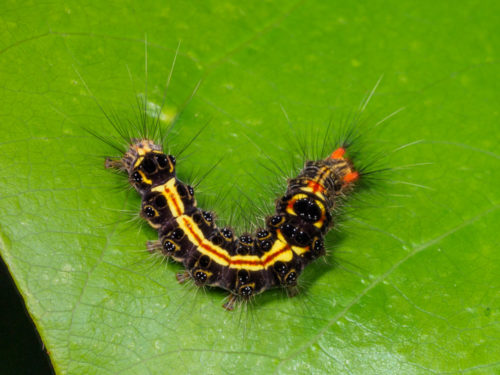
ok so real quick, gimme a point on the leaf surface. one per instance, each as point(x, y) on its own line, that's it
point(412, 284)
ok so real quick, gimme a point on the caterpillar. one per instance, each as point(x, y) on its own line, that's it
point(251, 263)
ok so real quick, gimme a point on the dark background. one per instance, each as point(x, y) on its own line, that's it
point(21, 349)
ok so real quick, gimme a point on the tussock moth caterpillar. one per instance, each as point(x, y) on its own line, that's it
point(243, 264)
point(247, 264)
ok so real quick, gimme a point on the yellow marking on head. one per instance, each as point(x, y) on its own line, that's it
point(144, 178)
point(174, 201)
point(138, 161)
point(142, 148)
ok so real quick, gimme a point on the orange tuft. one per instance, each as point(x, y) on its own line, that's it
point(351, 177)
point(338, 153)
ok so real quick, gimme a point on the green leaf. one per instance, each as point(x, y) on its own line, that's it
point(412, 285)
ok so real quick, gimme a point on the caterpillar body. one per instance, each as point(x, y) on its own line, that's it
point(248, 264)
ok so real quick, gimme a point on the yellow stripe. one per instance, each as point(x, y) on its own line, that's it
point(143, 149)
point(196, 237)
point(280, 251)
point(308, 189)
point(174, 201)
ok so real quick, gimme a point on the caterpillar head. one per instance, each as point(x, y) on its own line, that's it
point(145, 163)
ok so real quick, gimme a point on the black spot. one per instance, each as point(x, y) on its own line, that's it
point(208, 216)
point(217, 240)
point(262, 233)
point(246, 291)
point(246, 239)
point(160, 201)
point(276, 220)
point(197, 218)
point(136, 176)
point(149, 211)
point(291, 279)
point(243, 276)
point(181, 189)
point(302, 238)
point(177, 234)
point(172, 159)
point(200, 277)
point(161, 159)
point(169, 246)
point(307, 209)
point(242, 250)
point(281, 268)
point(226, 232)
point(204, 261)
point(288, 230)
point(318, 247)
point(190, 190)
point(265, 245)
point(148, 165)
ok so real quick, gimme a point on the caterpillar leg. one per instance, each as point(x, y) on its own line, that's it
point(292, 291)
point(117, 164)
point(229, 305)
point(183, 277)
point(153, 246)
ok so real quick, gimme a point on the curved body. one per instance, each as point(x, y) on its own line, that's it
point(247, 264)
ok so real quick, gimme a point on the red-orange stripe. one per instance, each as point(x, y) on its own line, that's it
point(272, 256)
point(316, 187)
point(171, 196)
point(206, 247)
point(262, 262)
